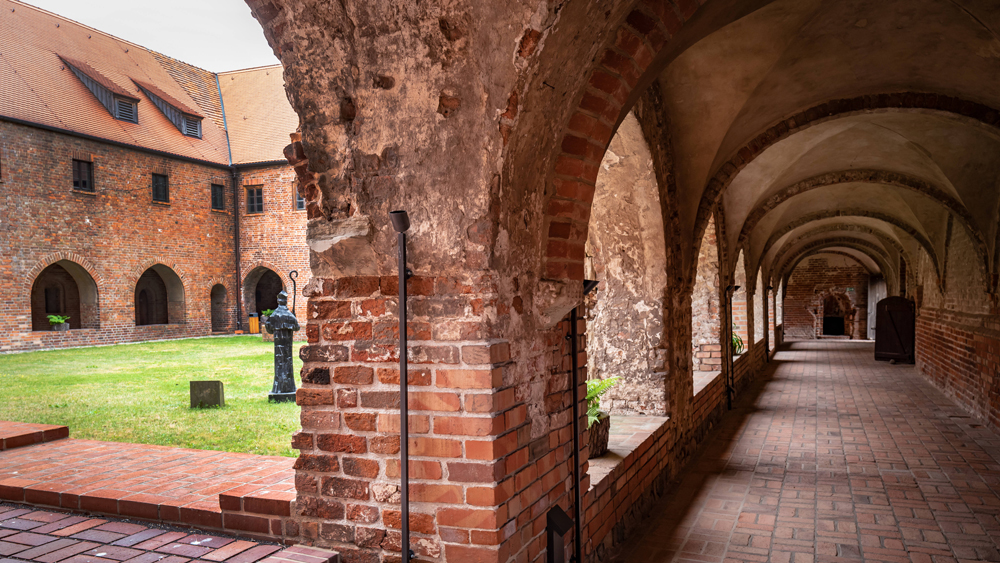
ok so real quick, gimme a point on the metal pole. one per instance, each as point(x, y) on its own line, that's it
point(401, 222)
point(578, 506)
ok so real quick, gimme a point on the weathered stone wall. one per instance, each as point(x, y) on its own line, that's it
point(421, 107)
point(758, 311)
point(740, 315)
point(816, 278)
point(625, 245)
point(705, 309)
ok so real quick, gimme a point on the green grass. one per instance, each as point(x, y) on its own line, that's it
point(139, 393)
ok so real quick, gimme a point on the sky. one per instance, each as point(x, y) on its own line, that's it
point(216, 35)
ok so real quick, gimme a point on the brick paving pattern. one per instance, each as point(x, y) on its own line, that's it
point(30, 535)
point(834, 457)
point(214, 490)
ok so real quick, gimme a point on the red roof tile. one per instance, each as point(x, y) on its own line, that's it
point(37, 87)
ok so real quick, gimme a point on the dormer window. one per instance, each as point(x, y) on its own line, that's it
point(192, 126)
point(125, 110)
point(187, 120)
point(119, 102)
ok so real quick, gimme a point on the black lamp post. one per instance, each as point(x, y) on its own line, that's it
point(401, 223)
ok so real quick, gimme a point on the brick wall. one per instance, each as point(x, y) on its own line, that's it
point(275, 239)
point(108, 239)
point(815, 279)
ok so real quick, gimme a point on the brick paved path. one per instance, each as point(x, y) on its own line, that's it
point(38, 536)
point(239, 493)
point(835, 457)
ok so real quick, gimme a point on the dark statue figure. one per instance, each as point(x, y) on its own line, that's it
point(281, 324)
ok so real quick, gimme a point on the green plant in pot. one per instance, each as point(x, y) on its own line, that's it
point(738, 346)
point(598, 421)
point(58, 322)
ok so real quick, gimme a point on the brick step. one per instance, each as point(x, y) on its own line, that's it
point(257, 500)
point(208, 490)
point(21, 434)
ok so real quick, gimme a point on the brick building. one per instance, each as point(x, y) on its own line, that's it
point(143, 197)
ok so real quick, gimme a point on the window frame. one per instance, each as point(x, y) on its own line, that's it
point(221, 199)
point(76, 162)
point(298, 202)
point(256, 200)
point(166, 188)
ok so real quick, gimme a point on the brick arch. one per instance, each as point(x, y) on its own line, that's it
point(870, 177)
point(842, 229)
point(921, 239)
point(588, 131)
point(833, 109)
point(49, 259)
point(285, 280)
point(90, 304)
point(133, 275)
point(865, 247)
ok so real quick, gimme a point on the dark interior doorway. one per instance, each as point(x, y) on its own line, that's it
point(220, 308)
point(833, 317)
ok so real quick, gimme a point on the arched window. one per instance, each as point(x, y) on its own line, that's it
point(159, 297)
point(64, 288)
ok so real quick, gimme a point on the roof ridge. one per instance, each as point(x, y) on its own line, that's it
point(262, 67)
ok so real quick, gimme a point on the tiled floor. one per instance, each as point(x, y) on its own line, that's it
point(157, 483)
point(834, 457)
point(40, 536)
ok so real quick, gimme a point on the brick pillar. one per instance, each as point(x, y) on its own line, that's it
point(465, 436)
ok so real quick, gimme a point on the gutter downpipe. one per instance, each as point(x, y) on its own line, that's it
point(235, 173)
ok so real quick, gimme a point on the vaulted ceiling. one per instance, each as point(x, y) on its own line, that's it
point(863, 126)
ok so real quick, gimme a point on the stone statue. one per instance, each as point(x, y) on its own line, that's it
point(281, 324)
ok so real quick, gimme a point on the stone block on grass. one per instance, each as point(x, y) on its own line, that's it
point(207, 394)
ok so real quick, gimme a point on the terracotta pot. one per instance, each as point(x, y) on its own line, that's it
point(599, 432)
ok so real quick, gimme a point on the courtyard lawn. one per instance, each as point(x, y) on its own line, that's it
point(139, 393)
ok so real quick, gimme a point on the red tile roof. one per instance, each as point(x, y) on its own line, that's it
point(257, 112)
point(37, 86)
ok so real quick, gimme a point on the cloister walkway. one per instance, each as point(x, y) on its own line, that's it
point(835, 457)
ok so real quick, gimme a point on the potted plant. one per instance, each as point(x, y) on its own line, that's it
point(265, 335)
point(59, 323)
point(598, 421)
point(738, 346)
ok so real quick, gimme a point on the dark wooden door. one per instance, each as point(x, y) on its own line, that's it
point(895, 329)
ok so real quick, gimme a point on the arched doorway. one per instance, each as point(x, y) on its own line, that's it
point(64, 288)
point(261, 288)
point(220, 308)
point(159, 297)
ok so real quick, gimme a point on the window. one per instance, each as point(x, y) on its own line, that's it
point(300, 202)
point(83, 176)
point(255, 200)
point(125, 110)
point(218, 197)
point(161, 189)
point(186, 119)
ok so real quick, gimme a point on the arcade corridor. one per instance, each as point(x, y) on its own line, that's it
point(834, 456)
